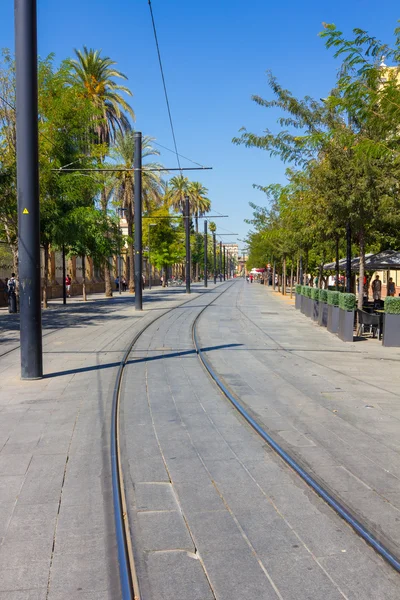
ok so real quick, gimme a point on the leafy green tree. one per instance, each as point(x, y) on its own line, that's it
point(152, 184)
point(96, 74)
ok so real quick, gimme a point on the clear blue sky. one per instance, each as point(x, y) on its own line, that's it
point(215, 55)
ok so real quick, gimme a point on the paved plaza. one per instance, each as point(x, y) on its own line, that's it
point(214, 513)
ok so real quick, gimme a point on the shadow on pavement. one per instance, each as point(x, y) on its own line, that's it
point(135, 361)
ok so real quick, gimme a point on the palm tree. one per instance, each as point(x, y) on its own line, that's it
point(176, 192)
point(199, 204)
point(152, 184)
point(95, 74)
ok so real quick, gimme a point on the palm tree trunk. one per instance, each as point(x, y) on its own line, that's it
point(107, 270)
point(131, 254)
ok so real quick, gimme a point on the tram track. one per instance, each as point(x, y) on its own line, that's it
point(130, 586)
point(360, 528)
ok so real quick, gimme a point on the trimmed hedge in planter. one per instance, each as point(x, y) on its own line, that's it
point(323, 308)
point(314, 304)
point(298, 288)
point(391, 322)
point(333, 311)
point(347, 304)
point(323, 295)
point(392, 306)
point(347, 301)
point(333, 298)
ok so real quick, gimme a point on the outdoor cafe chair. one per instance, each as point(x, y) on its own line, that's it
point(370, 321)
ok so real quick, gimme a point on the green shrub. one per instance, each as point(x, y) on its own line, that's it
point(308, 291)
point(347, 301)
point(323, 296)
point(303, 290)
point(298, 289)
point(315, 293)
point(333, 298)
point(392, 305)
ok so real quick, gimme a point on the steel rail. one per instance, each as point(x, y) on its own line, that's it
point(362, 530)
point(130, 587)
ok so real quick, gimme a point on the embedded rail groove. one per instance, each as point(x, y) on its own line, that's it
point(359, 527)
point(130, 587)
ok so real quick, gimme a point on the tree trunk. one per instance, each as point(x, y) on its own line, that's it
point(273, 276)
point(46, 274)
point(321, 274)
point(84, 279)
point(107, 270)
point(337, 263)
point(131, 251)
point(291, 280)
point(362, 270)
point(298, 271)
point(284, 276)
point(306, 263)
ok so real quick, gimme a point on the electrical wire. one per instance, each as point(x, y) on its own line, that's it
point(181, 155)
point(164, 83)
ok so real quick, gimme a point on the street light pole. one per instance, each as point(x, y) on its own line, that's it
point(28, 189)
point(215, 257)
point(187, 232)
point(205, 255)
point(224, 262)
point(138, 219)
point(220, 261)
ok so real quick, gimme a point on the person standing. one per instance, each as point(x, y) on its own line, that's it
point(12, 294)
point(376, 287)
point(68, 285)
point(143, 281)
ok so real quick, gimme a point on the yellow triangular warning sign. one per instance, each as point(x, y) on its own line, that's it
point(25, 211)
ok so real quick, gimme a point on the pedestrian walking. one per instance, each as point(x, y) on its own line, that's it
point(116, 281)
point(143, 281)
point(68, 285)
point(12, 294)
point(123, 284)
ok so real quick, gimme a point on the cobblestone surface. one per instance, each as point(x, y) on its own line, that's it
point(255, 529)
point(57, 539)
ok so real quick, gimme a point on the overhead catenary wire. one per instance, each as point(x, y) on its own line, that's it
point(164, 83)
point(173, 152)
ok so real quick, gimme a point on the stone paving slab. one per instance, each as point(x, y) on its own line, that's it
point(319, 398)
point(258, 531)
point(57, 539)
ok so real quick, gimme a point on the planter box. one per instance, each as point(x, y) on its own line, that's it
point(346, 325)
point(303, 306)
point(333, 318)
point(306, 306)
point(323, 314)
point(391, 330)
point(298, 301)
point(315, 310)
